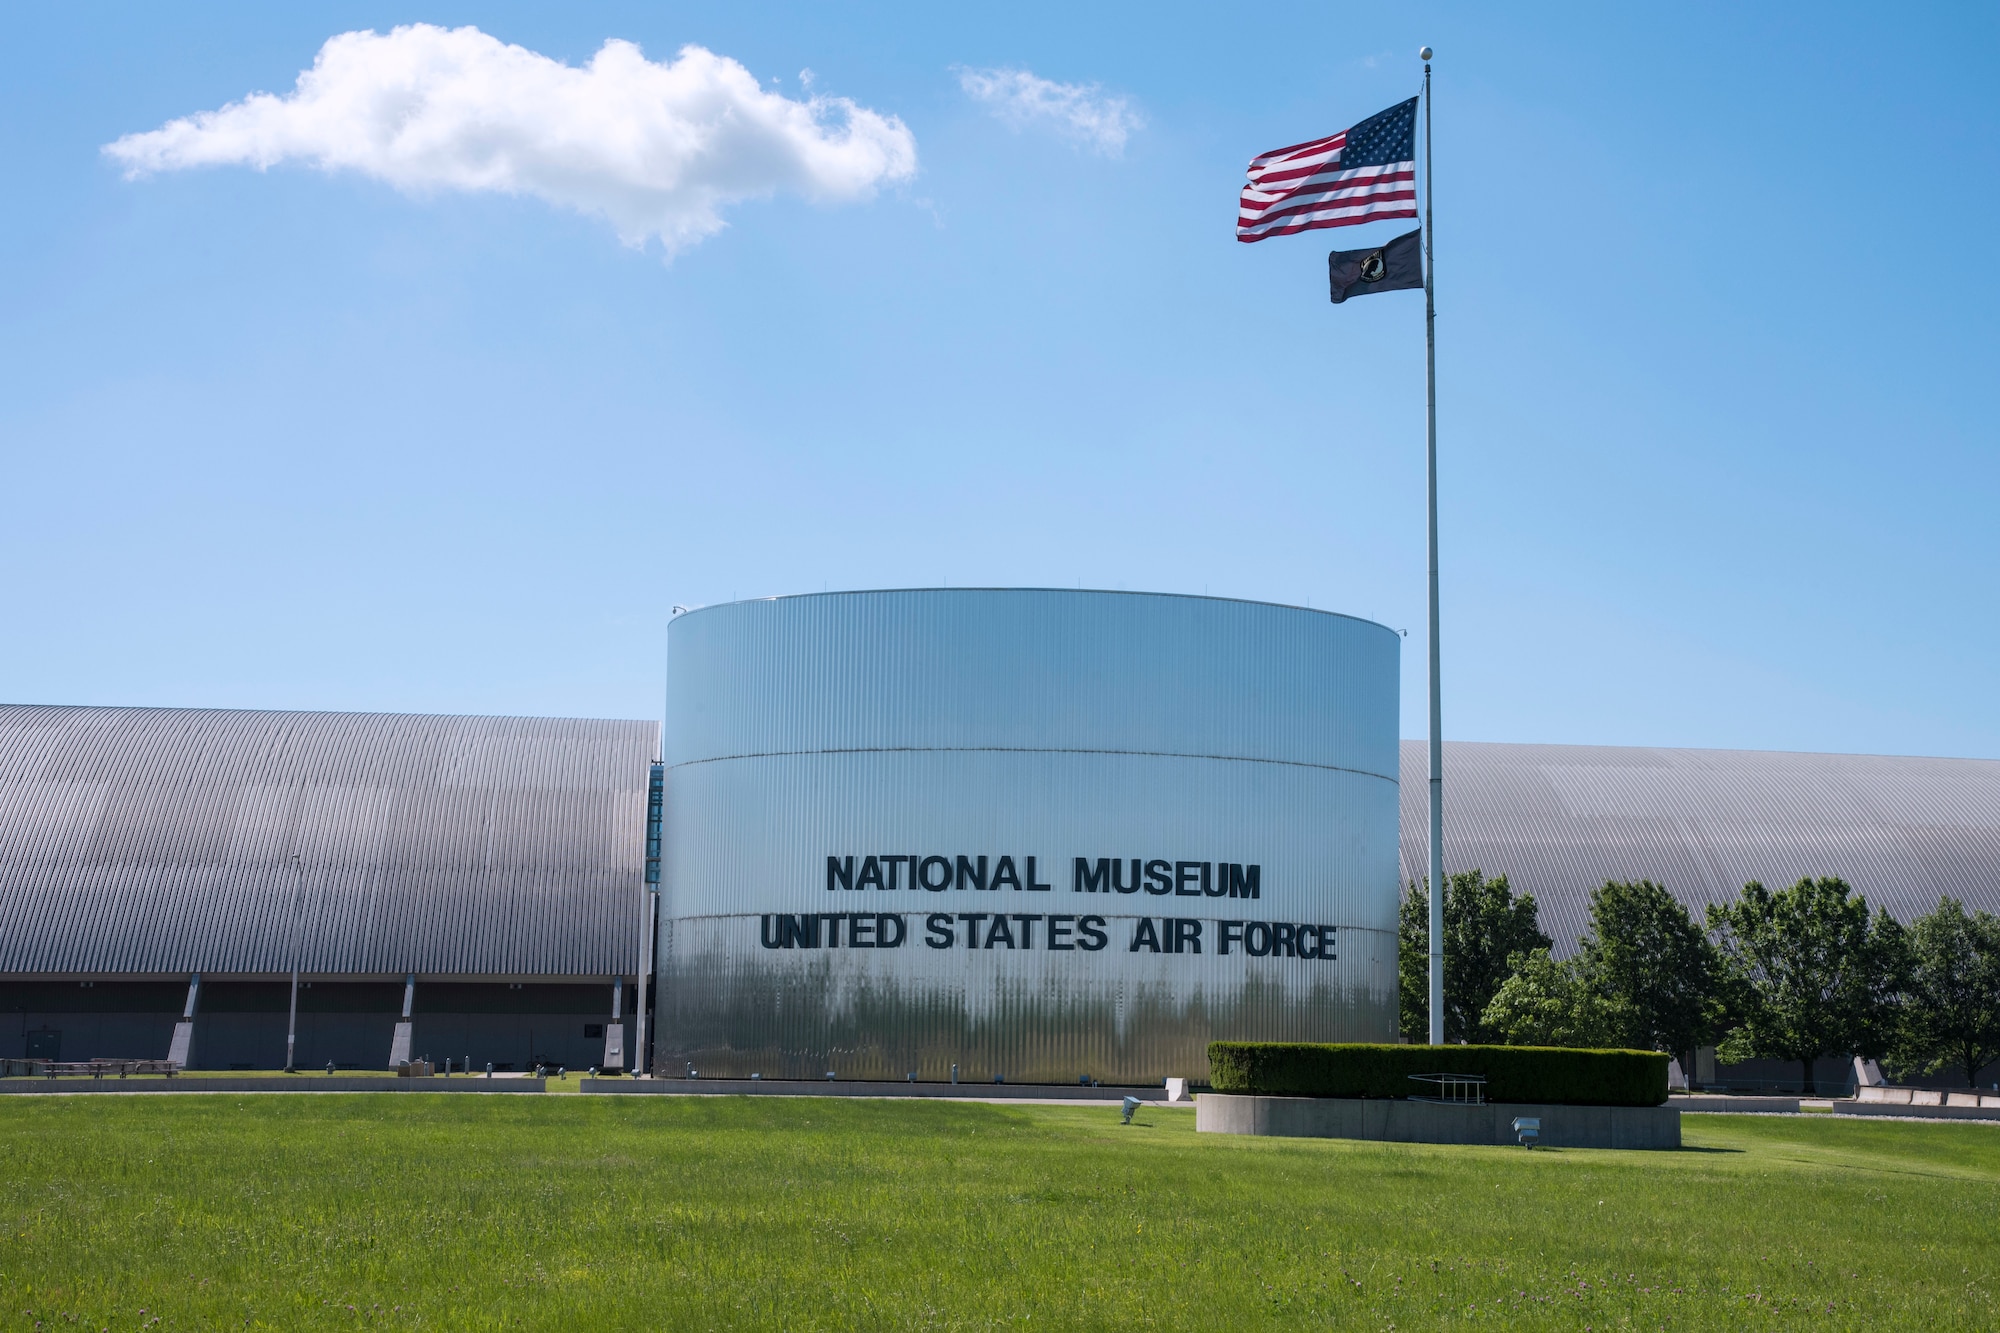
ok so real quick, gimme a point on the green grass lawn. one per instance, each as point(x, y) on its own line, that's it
point(335, 1211)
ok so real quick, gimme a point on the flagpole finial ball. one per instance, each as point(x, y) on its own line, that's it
point(1424, 54)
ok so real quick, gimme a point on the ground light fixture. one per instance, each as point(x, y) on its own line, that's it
point(1528, 1130)
point(1131, 1105)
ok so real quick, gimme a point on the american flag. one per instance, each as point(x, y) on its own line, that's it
point(1365, 172)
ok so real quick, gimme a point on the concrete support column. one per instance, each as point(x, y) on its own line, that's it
point(183, 1041)
point(399, 1045)
point(614, 1031)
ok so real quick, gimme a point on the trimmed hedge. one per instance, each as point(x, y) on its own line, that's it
point(1513, 1073)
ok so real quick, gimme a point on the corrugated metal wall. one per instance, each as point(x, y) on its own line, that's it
point(1026, 723)
point(1560, 820)
point(156, 840)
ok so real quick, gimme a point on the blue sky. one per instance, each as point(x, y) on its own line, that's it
point(1716, 331)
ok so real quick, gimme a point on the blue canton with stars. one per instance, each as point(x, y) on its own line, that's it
point(1385, 137)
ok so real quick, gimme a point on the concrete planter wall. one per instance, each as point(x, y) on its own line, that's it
point(1434, 1122)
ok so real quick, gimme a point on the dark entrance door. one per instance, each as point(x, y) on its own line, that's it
point(45, 1044)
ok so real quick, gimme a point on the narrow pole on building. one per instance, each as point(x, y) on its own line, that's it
point(1437, 710)
point(298, 905)
point(649, 904)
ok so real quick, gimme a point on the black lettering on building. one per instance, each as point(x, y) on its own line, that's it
point(1159, 877)
point(1061, 927)
point(1004, 874)
point(1091, 934)
point(972, 920)
point(1088, 878)
point(1145, 936)
point(871, 873)
point(1226, 934)
point(1185, 936)
point(938, 932)
point(895, 864)
point(966, 872)
point(865, 930)
point(1118, 879)
point(839, 873)
point(999, 931)
point(935, 883)
point(1243, 881)
point(1033, 887)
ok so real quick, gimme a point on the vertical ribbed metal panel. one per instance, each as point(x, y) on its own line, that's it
point(160, 840)
point(1026, 723)
point(1560, 820)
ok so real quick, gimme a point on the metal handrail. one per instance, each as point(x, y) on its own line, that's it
point(1453, 1089)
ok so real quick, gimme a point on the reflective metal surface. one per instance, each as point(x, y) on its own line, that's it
point(988, 741)
point(160, 841)
point(1560, 820)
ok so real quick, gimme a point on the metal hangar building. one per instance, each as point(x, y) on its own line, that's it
point(476, 887)
point(475, 875)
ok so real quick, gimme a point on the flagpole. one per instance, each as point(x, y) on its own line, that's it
point(1437, 710)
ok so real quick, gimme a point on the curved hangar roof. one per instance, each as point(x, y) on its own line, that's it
point(159, 840)
point(1560, 820)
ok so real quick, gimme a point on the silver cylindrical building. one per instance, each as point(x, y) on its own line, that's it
point(1036, 834)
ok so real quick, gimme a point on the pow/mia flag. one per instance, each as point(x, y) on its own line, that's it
point(1388, 268)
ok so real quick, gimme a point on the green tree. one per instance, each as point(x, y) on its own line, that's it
point(1952, 1006)
point(1816, 974)
point(1544, 1002)
point(1485, 925)
point(1654, 966)
point(1413, 962)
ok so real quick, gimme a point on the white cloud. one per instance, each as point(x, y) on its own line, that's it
point(1079, 111)
point(658, 149)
